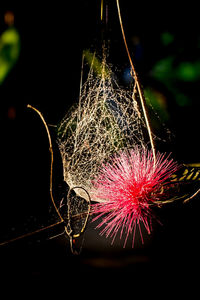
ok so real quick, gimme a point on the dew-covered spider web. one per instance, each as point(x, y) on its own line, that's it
point(105, 120)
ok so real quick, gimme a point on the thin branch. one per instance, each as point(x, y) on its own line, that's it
point(142, 100)
point(30, 234)
point(51, 151)
point(191, 197)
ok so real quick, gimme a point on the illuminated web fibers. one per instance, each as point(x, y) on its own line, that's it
point(105, 120)
point(128, 186)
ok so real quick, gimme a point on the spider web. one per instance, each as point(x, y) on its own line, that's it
point(107, 119)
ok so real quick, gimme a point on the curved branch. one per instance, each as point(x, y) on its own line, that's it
point(51, 151)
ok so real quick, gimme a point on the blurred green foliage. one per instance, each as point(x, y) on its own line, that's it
point(173, 76)
point(188, 71)
point(9, 51)
point(166, 71)
point(177, 70)
point(167, 38)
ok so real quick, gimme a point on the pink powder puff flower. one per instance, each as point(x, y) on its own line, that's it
point(127, 187)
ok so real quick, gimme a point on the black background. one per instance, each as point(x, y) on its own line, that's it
point(53, 36)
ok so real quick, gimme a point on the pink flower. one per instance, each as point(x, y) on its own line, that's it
point(127, 187)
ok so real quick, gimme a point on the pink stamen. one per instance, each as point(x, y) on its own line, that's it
point(126, 188)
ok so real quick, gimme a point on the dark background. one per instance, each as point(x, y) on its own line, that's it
point(47, 75)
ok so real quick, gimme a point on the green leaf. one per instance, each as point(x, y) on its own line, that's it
point(9, 51)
